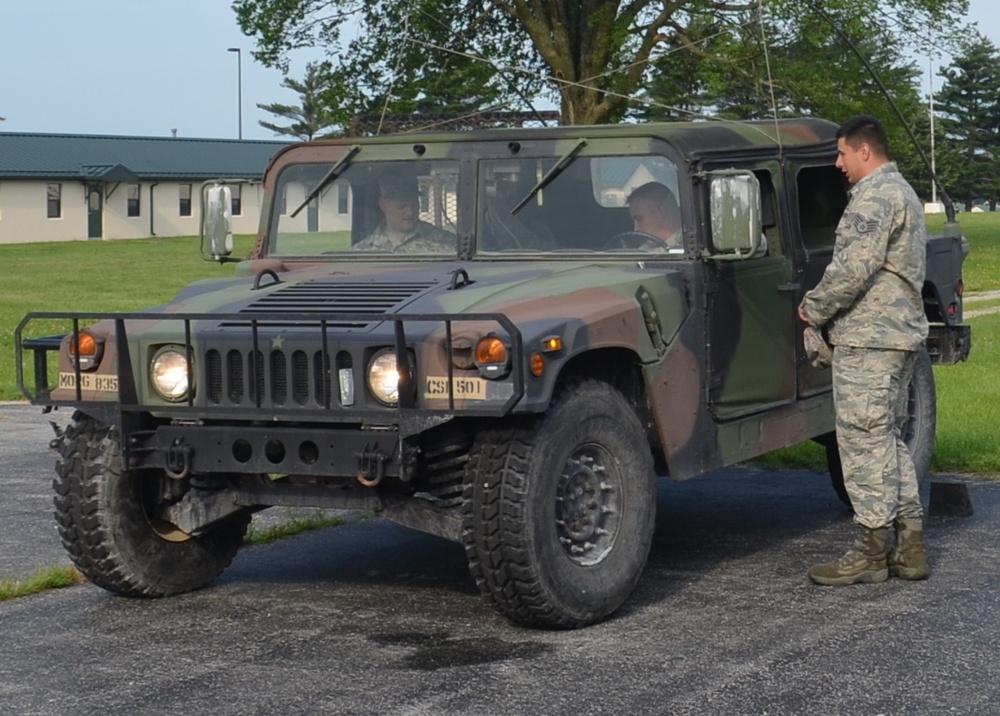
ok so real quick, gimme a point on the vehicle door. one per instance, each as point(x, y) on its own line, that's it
point(751, 307)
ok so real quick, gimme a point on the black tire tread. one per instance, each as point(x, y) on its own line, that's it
point(495, 496)
point(88, 467)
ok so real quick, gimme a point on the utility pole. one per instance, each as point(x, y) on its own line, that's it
point(239, 87)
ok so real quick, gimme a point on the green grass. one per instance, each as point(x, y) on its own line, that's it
point(55, 577)
point(969, 405)
point(290, 528)
point(981, 270)
point(94, 276)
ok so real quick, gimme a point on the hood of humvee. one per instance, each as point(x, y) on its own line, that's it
point(516, 288)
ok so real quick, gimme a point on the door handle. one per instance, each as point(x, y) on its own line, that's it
point(789, 286)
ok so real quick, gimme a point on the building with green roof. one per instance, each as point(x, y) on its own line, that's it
point(69, 187)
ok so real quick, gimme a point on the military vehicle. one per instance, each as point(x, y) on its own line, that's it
point(465, 333)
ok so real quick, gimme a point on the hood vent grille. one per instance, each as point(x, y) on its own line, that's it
point(334, 298)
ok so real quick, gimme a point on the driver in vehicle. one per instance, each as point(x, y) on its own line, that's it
point(401, 229)
point(655, 212)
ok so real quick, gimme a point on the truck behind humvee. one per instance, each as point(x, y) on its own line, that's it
point(515, 385)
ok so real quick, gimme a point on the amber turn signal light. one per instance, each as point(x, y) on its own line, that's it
point(491, 350)
point(83, 345)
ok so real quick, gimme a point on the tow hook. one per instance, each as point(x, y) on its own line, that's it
point(178, 463)
point(371, 465)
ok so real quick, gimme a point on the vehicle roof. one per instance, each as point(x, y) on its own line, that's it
point(692, 139)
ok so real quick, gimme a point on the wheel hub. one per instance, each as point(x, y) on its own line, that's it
point(588, 504)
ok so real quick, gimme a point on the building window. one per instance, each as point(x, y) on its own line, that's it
point(283, 201)
point(133, 200)
point(55, 201)
point(342, 197)
point(185, 199)
point(237, 199)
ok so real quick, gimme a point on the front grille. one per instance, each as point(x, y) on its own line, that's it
point(235, 376)
point(280, 378)
point(296, 376)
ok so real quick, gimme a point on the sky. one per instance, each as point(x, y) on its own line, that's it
point(149, 67)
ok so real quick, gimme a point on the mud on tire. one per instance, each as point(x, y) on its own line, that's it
point(559, 511)
point(103, 513)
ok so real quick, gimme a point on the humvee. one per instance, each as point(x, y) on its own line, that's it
point(516, 385)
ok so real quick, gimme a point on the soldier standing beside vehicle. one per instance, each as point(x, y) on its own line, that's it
point(869, 299)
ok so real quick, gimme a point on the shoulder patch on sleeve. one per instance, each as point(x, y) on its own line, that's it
point(860, 224)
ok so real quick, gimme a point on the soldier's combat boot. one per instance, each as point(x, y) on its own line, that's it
point(908, 559)
point(864, 562)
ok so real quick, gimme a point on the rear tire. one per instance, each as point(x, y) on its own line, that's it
point(558, 513)
point(919, 434)
point(107, 521)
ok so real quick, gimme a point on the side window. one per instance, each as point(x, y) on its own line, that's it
point(54, 201)
point(822, 199)
point(133, 200)
point(237, 199)
point(770, 244)
point(184, 208)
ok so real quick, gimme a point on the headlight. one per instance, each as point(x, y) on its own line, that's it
point(383, 378)
point(169, 374)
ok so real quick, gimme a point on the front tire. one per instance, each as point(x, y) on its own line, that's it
point(107, 519)
point(559, 512)
point(919, 434)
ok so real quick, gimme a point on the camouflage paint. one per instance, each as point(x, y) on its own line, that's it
point(719, 389)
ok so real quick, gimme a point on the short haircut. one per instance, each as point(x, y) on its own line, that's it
point(655, 192)
point(398, 188)
point(865, 129)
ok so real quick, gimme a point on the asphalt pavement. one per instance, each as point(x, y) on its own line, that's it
point(371, 618)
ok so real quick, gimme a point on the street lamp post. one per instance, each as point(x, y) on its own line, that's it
point(239, 86)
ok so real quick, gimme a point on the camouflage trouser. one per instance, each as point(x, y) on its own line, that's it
point(870, 394)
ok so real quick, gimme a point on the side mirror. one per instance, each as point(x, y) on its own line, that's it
point(735, 209)
point(216, 221)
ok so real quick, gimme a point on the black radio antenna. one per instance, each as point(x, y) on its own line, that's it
point(949, 207)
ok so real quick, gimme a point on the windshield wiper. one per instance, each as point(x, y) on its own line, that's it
point(328, 177)
point(551, 174)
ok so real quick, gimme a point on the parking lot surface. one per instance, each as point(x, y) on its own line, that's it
point(371, 618)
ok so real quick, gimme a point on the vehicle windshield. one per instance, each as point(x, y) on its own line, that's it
point(371, 207)
point(596, 204)
point(592, 204)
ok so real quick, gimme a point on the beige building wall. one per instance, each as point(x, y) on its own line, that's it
point(23, 211)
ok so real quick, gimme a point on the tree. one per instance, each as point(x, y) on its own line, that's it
point(313, 116)
point(969, 103)
point(591, 57)
point(408, 58)
point(752, 67)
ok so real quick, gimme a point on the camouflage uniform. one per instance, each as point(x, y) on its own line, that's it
point(870, 295)
point(425, 239)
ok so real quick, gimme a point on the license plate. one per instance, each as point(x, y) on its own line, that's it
point(436, 388)
point(89, 381)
